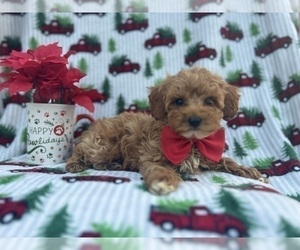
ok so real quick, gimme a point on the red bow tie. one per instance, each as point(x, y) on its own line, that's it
point(176, 148)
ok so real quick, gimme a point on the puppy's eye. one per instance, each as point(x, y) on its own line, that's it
point(209, 101)
point(179, 102)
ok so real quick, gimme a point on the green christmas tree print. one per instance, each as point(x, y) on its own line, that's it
point(228, 54)
point(287, 229)
point(40, 15)
point(118, 244)
point(83, 65)
point(120, 104)
point(186, 35)
point(288, 130)
point(34, 199)
point(62, 7)
point(118, 19)
point(218, 179)
point(222, 59)
point(148, 71)
point(263, 162)
point(249, 141)
point(107, 230)
point(158, 61)
point(57, 226)
point(111, 45)
point(239, 150)
point(142, 104)
point(275, 112)
point(295, 197)
point(289, 152)
point(236, 208)
point(256, 71)
point(10, 178)
point(175, 206)
point(276, 87)
point(254, 29)
point(106, 88)
point(33, 43)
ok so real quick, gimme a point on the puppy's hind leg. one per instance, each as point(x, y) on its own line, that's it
point(230, 166)
point(97, 148)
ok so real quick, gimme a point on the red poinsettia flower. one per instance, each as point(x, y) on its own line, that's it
point(44, 71)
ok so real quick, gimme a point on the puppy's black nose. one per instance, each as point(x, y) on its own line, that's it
point(194, 121)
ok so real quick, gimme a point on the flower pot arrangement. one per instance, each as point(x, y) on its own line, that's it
point(46, 75)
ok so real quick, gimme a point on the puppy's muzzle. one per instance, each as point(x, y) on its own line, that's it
point(194, 121)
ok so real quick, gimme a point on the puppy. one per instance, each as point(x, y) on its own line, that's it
point(183, 135)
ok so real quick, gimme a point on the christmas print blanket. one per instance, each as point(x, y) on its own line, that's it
point(122, 54)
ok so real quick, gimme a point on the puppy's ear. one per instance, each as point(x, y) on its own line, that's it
point(157, 100)
point(231, 102)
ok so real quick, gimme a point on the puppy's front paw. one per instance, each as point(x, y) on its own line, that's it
point(161, 187)
point(74, 167)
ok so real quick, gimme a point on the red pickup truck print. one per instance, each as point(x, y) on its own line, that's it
point(292, 89)
point(56, 28)
point(159, 40)
point(6, 141)
point(11, 210)
point(84, 46)
point(17, 99)
point(130, 25)
point(203, 52)
point(18, 163)
point(99, 178)
point(274, 44)
point(198, 218)
point(230, 35)
point(245, 81)
point(7, 46)
point(80, 14)
point(252, 187)
point(126, 66)
point(279, 168)
point(294, 137)
point(43, 170)
point(242, 120)
point(196, 4)
point(197, 16)
point(133, 108)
